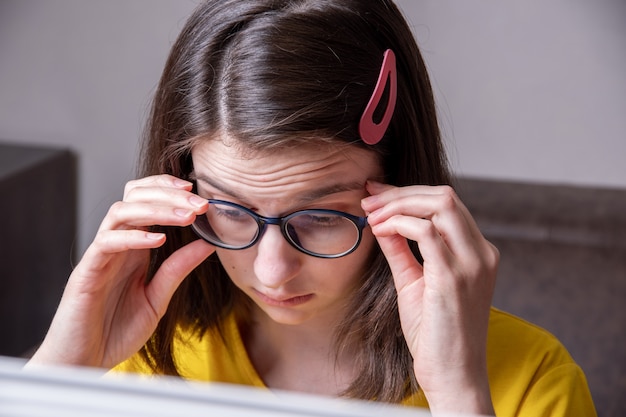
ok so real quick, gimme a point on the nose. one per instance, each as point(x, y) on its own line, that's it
point(276, 262)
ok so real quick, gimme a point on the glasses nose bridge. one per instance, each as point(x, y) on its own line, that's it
point(265, 221)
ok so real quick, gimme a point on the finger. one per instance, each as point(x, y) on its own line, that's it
point(157, 181)
point(124, 215)
point(421, 201)
point(110, 242)
point(377, 189)
point(163, 195)
point(466, 245)
point(408, 278)
point(404, 266)
point(115, 241)
point(447, 197)
point(173, 271)
point(441, 210)
point(436, 254)
point(441, 205)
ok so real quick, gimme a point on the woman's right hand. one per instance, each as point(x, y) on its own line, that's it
point(107, 311)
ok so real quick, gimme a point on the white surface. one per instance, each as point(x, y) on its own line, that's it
point(72, 392)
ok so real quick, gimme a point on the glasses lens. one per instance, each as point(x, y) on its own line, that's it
point(227, 226)
point(322, 233)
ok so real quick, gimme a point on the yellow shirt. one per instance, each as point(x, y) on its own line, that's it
point(530, 372)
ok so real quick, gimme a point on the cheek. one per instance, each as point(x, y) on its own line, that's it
point(364, 253)
point(354, 266)
point(368, 243)
point(235, 263)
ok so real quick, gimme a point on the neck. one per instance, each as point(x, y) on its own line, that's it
point(299, 357)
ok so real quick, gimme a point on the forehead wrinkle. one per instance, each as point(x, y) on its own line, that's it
point(270, 172)
point(288, 174)
point(220, 187)
point(318, 193)
point(279, 176)
point(278, 179)
point(304, 197)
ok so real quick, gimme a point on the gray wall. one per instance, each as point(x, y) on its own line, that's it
point(531, 90)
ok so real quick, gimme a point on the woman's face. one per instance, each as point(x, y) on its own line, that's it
point(291, 287)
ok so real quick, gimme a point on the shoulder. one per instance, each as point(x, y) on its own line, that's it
point(529, 367)
point(517, 348)
point(514, 335)
point(193, 350)
point(214, 355)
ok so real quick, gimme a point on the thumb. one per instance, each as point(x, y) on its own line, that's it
point(404, 266)
point(173, 271)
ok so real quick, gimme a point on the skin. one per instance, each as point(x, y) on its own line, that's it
point(444, 303)
point(298, 298)
point(107, 313)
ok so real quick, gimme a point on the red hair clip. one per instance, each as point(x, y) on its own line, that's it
point(372, 132)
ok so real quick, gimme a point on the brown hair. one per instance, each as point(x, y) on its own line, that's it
point(274, 73)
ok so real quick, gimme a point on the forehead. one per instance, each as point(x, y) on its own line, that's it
point(280, 175)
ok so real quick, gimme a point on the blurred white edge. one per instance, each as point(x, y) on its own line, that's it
point(43, 391)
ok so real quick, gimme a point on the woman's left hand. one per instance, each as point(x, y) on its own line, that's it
point(444, 303)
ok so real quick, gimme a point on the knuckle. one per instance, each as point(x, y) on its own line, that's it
point(170, 267)
point(101, 241)
point(489, 265)
point(129, 187)
point(448, 200)
point(494, 256)
point(447, 189)
point(427, 229)
point(115, 209)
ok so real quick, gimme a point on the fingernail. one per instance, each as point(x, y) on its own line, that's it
point(373, 183)
point(154, 236)
point(369, 200)
point(181, 183)
point(371, 217)
point(197, 201)
point(183, 212)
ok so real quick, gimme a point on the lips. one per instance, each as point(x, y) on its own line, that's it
point(283, 300)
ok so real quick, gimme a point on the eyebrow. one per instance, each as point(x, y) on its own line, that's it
point(310, 196)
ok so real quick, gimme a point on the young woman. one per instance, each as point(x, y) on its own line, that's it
point(294, 228)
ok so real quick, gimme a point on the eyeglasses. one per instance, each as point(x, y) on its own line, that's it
point(316, 232)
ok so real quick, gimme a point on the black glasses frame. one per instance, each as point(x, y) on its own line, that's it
point(359, 222)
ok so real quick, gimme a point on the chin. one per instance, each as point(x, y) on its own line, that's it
point(289, 317)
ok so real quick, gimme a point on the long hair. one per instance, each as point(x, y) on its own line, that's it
point(275, 73)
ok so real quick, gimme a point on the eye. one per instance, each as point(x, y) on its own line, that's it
point(317, 220)
point(231, 214)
